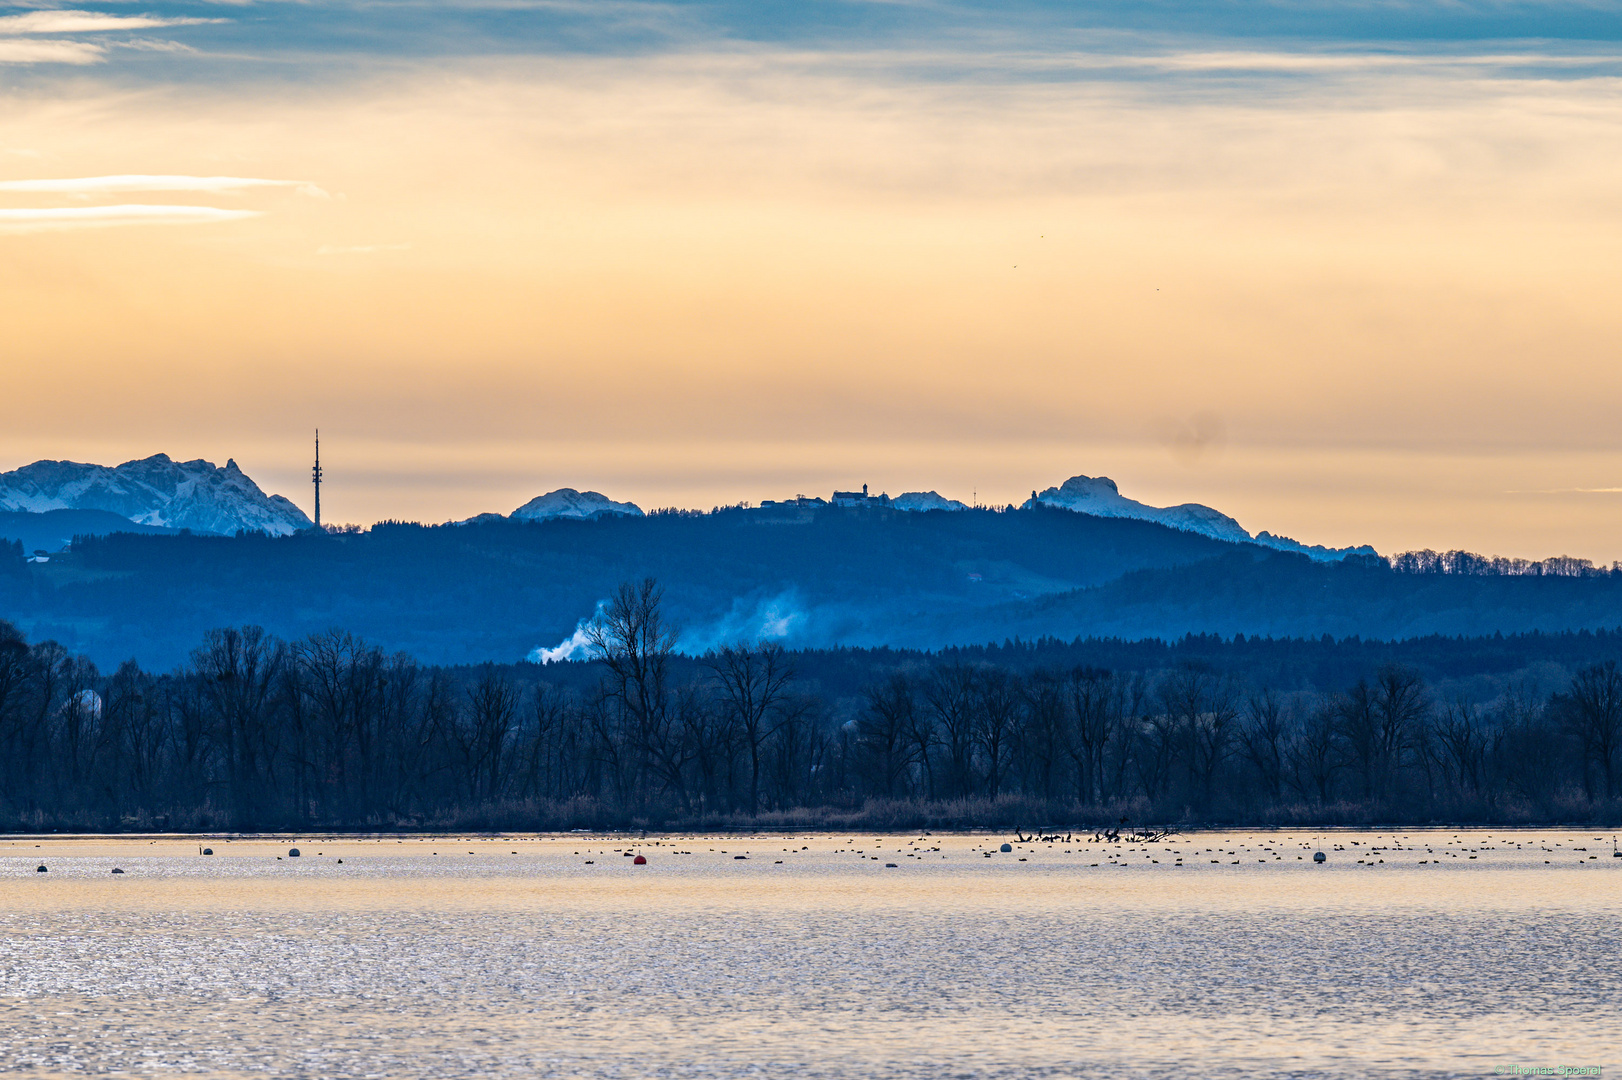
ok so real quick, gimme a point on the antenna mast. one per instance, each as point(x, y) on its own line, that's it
point(315, 473)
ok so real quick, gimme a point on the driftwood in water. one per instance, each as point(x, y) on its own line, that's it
point(1041, 838)
point(1136, 836)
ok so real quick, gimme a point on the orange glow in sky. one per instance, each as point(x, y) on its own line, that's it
point(1375, 307)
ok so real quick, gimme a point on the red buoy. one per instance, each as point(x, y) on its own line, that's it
point(639, 861)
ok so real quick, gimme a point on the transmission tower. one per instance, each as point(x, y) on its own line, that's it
point(315, 474)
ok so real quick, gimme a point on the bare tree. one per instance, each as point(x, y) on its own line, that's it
point(1094, 704)
point(1596, 697)
point(1263, 738)
point(884, 734)
point(1460, 747)
point(752, 683)
point(1400, 705)
point(950, 697)
point(238, 670)
point(341, 679)
point(1378, 726)
point(1312, 753)
point(1044, 735)
point(634, 643)
point(487, 731)
point(996, 712)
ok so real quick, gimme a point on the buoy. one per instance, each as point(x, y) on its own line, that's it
point(292, 853)
point(208, 851)
point(116, 870)
point(40, 869)
point(1007, 847)
point(1319, 857)
point(639, 861)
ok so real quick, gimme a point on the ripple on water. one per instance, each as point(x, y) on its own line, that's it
point(705, 967)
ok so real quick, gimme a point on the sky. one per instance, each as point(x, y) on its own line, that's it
point(1345, 271)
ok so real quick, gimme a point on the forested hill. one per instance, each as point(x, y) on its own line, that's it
point(499, 589)
point(1286, 596)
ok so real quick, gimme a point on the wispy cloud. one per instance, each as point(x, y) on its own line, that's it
point(81, 22)
point(104, 185)
point(42, 219)
point(156, 45)
point(23, 51)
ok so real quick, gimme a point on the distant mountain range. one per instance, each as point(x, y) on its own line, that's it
point(918, 570)
point(1097, 496)
point(161, 493)
point(506, 588)
point(155, 491)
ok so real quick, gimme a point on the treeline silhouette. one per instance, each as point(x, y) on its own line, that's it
point(463, 593)
point(329, 732)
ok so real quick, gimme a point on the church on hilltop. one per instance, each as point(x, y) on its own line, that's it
point(860, 499)
point(856, 499)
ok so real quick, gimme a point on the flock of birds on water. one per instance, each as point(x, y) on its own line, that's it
point(1133, 849)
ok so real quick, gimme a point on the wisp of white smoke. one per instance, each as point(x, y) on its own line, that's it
point(576, 646)
point(775, 618)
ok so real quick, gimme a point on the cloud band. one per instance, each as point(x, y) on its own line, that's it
point(41, 219)
point(103, 185)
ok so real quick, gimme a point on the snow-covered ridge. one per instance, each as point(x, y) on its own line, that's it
point(919, 501)
point(569, 503)
point(1098, 496)
point(195, 495)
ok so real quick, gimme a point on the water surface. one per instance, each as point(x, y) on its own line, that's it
point(1410, 954)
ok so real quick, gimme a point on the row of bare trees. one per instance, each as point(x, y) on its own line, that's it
point(1192, 740)
point(258, 732)
point(255, 733)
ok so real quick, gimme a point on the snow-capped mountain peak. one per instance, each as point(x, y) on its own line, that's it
point(919, 501)
point(158, 490)
point(1100, 497)
point(569, 503)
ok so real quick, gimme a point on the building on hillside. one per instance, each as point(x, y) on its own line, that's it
point(860, 499)
point(801, 502)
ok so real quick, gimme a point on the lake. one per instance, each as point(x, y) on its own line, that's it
point(1407, 954)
